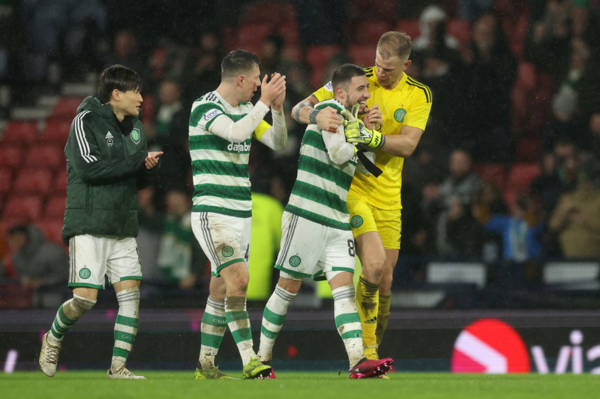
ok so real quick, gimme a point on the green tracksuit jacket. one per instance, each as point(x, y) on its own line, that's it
point(105, 168)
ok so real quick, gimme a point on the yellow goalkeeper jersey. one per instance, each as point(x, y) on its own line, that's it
point(407, 104)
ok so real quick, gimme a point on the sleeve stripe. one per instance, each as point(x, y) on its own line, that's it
point(84, 147)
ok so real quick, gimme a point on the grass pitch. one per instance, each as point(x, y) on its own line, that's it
point(293, 385)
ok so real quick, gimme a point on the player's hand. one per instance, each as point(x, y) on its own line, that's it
point(152, 159)
point(271, 89)
point(351, 116)
point(357, 133)
point(328, 119)
point(373, 118)
point(277, 103)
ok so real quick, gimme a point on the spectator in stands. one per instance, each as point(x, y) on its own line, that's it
point(594, 128)
point(521, 232)
point(202, 70)
point(575, 218)
point(272, 59)
point(321, 22)
point(180, 259)
point(125, 52)
point(61, 28)
point(432, 23)
point(568, 160)
point(473, 9)
point(547, 186)
point(491, 72)
point(168, 109)
point(39, 263)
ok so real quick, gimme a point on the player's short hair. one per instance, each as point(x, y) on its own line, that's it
point(343, 74)
point(117, 77)
point(237, 62)
point(394, 43)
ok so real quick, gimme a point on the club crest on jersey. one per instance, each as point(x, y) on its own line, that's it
point(136, 136)
point(238, 147)
point(85, 273)
point(295, 261)
point(109, 138)
point(399, 114)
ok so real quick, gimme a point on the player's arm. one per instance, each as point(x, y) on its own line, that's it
point(89, 161)
point(274, 137)
point(326, 119)
point(403, 144)
point(241, 130)
point(338, 149)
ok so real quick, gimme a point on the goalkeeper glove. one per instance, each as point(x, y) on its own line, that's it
point(357, 133)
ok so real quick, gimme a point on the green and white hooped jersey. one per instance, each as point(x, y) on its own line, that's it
point(321, 187)
point(220, 168)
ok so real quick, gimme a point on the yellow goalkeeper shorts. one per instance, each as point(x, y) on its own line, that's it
point(364, 218)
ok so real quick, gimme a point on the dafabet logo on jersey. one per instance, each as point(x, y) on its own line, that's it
point(490, 346)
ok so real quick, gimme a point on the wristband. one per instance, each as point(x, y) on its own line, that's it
point(312, 117)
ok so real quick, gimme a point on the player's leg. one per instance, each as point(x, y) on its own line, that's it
point(389, 224)
point(86, 276)
point(124, 271)
point(212, 330)
point(385, 293)
point(346, 316)
point(274, 314)
point(372, 257)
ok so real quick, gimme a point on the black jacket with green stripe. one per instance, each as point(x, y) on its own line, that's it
point(105, 168)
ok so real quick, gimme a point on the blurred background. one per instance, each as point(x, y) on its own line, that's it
point(501, 200)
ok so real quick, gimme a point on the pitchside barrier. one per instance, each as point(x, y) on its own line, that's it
point(494, 341)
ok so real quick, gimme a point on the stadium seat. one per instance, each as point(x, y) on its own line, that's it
point(409, 26)
point(148, 108)
point(59, 186)
point(20, 132)
point(459, 29)
point(571, 272)
point(55, 206)
point(317, 58)
point(45, 155)
point(363, 55)
point(251, 36)
point(52, 229)
point(492, 172)
point(11, 155)
point(528, 149)
point(6, 175)
point(66, 107)
point(380, 10)
point(272, 12)
point(22, 208)
point(33, 181)
point(457, 272)
point(521, 174)
point(56, 131)
point(369, 31)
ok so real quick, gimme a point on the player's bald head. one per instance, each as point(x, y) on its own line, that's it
point(394, 44)
point(238, 62)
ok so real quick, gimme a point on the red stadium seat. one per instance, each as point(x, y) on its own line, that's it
point(20, 132)
point(52, 229)
point(492, 172)
point(56, 131)
point(251, 36)
point(6, 175)
point(363, 55)
point(521, 174)
point(46, 155)
point(528, 149)
point(409, 26)
point(55, 206)
point(460, 29)
point(382, 10)
point(369, 31)
point(22, 208)
point(272, 12)
point(66, 107)
point(148, 108)
point(318, 57)
point(59, 186)
point(11, 155)
point(33, 181)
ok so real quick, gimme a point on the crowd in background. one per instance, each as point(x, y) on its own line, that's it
point(527, 72)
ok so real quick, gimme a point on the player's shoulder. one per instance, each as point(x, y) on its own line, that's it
point(332, 102)
point(207, 102)
point(420, 89)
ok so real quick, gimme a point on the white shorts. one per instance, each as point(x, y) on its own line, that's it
point(311, 250)
point(224, 239)
point(92, 257)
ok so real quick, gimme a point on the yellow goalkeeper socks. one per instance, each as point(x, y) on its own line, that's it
point(383, 316)
point(367, 301)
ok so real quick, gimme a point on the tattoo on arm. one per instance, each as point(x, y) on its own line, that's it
point(299, 108)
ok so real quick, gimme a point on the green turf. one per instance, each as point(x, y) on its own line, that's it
point(292, 385)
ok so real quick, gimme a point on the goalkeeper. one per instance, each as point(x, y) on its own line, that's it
point(399, 106)
point(316, 235)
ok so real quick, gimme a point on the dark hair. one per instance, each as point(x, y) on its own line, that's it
point(117, 77)
point(344, 74)
point(236, 62)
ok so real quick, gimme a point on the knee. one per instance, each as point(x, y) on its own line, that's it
point(373, 268)
point(83, 303)
point(291, 286)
